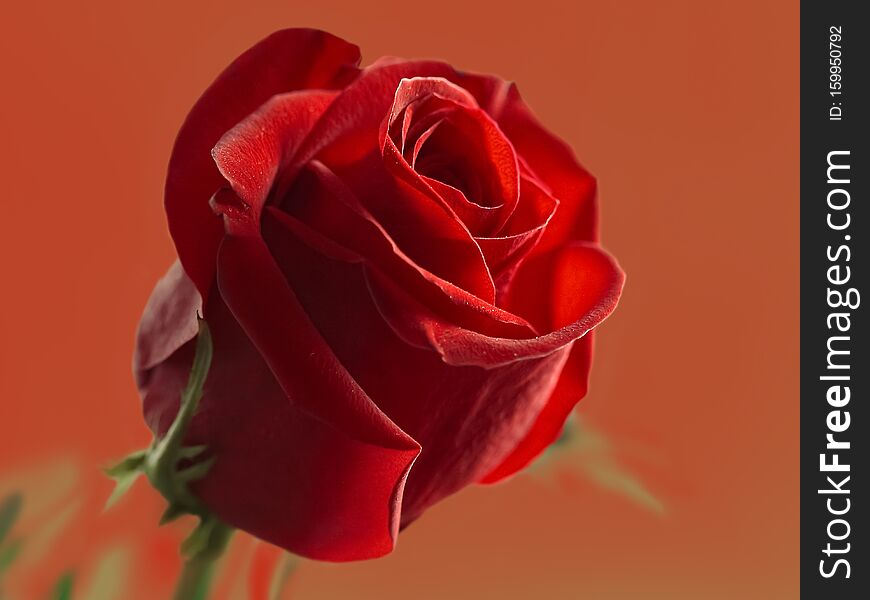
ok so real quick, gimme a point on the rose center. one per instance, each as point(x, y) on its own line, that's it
point(442, 156)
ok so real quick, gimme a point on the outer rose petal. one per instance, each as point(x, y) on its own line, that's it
point(169, 320)
point(284, 475)
point(597, 283)
point(467, 419)
point(167, 324)
point(571, 279)
point(292, 59)
point(317, 384)
point(571, 388)
point(323, 203)
point(252, 154)
point(303, 363)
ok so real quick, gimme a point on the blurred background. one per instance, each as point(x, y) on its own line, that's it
point(681, 480)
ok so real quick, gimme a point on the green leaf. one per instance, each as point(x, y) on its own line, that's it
point(202, 548)
point(172, 512)
point(125, 474)
point(194, 472)
point(191, 452)
point(122, 484)
point(282, 575)
point(63, 588)
point(198, 539)
point(10, 508)
point(208, 539)
point(8, 553)
point(160, 462)
point(590, 452)
point(131, 463)
point(166, 464)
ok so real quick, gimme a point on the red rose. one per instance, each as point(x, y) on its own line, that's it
point(400, 271)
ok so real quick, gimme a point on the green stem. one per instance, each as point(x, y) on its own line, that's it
point(160, 464)
point(196, 577)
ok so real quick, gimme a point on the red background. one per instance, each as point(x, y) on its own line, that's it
point(687, 112)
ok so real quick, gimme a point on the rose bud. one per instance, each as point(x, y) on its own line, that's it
point(400, 270)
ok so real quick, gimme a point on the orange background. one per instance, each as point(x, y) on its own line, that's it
point(686, 111)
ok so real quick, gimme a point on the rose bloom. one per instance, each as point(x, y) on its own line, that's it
point(400, 270)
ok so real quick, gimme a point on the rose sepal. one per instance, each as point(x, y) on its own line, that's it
point(161, 463)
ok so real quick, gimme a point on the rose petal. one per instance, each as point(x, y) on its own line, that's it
point(169, 319)
point(352, 124)
point(411, 89)
point(267, 309)
point(282, 474)
point(567, 274)
point(421, 223)
point(346, 140)
point(520, 234)
point(479, 220)
point(318, 387)
point(571, 388)
point(465, 418)
point(288, 60)
point(550, 158)
point(324, 203)
point(252, 153)
point(465, 140)
point(590, 277)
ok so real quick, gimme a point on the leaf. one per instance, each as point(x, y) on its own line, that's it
point(208, 539)
point(131, 463)
point(590, 452)
point(160, 461)
point(52, 525)
point(167, 465)
point(125, 474)
point(202, 548)
point(42, 485)
point(110, 576)
point(10, 508)
point(122, 484)
point(63, 588)
point(8, 553)
point(191, 452)
point(282, 575)
point(198, 539)
point(172, 512)
point(195, 472)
